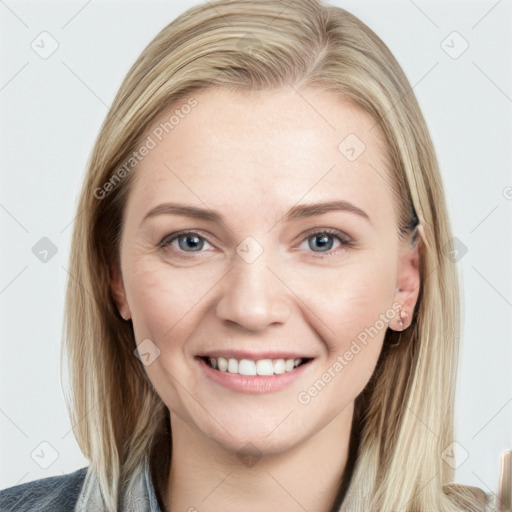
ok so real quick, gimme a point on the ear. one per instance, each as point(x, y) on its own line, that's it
point(118, 291)
point(408, 282)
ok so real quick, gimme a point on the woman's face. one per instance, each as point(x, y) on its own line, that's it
point(262, 275)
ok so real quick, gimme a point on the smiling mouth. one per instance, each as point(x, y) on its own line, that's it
point(249, 367)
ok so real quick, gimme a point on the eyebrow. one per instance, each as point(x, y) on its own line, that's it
point(297, 212)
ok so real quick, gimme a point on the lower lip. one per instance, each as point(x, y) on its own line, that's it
point(257, 384)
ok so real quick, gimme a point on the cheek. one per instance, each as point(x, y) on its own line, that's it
point(343, 302)
point(350, 310)
point(163, 300)
point(165, 303)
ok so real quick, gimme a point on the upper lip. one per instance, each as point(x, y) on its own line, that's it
point(255, 356)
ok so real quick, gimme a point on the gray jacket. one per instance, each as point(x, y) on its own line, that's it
point(78, 492)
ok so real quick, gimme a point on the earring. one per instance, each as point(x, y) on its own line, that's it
point(402, 317)
point(400, 321)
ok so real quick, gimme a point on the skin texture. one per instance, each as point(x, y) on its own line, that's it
point(252, 157)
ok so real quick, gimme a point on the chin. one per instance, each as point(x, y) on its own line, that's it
point(247, 444)
point(266, 432)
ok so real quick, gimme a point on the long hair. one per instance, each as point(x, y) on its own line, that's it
point(407, 408)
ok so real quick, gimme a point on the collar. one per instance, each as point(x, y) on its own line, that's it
point(138, 495)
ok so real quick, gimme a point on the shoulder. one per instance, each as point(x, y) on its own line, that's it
point(55, 493)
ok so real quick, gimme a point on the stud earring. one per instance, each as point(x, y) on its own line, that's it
point(402, 318)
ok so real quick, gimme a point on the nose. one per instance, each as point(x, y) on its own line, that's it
point(253, 296)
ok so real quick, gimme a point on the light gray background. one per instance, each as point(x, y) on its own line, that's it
point(51, 112)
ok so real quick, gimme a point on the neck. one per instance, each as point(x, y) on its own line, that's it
point(310, 476)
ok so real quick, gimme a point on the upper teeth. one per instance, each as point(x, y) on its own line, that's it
point(250, 367)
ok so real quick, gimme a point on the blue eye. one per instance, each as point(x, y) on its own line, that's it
point(185, 241)
point(323, 240)
point(320, 242)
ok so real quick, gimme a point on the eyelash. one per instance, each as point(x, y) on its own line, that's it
point(344, 239)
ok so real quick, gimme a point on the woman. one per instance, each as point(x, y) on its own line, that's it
point(262, 314)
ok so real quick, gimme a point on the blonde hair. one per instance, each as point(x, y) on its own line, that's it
point(406, 411)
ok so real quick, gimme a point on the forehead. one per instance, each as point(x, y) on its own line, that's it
point(268, 149)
